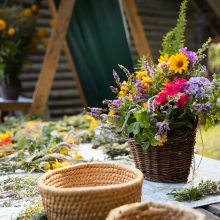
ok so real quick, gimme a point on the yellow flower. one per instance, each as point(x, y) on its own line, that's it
point(2, 25)
point(34, 8)
point(64, 150)
point(71, 139)
point(32, 123)
point(178, 63)
point(27, 12)
point(57, 164)
point(147, 79)
point(163, 58)
point(111, 112)
point(161, 141)
point(47, 166)
point(11, 31)
point(121, 94)
point(140, 74)
point(77, 155)
point(130, 97)
point(93, 122)
point(124, 86)
point(145, 104)
point(8, 133)
point(42, 32)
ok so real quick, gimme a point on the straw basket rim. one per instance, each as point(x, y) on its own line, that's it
point(138, 178)
point(115, 213)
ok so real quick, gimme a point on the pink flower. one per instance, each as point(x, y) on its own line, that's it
point(171, 89)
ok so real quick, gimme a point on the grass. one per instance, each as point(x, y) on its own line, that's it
point(211, 140)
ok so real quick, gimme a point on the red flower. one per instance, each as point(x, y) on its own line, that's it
point(171, 89)
point(182, 101)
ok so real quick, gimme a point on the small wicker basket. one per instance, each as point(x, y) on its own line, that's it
point(168, 163)
point(154, 211)
point(88, 191)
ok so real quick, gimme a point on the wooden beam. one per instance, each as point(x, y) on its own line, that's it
point(51, 58)
point(69, 57)
point(137, 30)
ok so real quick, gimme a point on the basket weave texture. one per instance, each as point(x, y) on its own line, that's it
point(88, 191)
point(154, 211)
point(168, 163)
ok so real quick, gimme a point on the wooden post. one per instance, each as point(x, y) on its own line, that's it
point(51, 58)
point(69, 57)
point(137, 30)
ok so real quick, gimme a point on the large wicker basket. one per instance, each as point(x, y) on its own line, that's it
point(88, 191)
point(168, 163)
point(154, 211)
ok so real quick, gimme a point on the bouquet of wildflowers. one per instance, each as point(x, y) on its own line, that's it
point(17, 28)
point(163, 99)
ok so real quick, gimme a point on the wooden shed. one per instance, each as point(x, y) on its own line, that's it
point(157, 17)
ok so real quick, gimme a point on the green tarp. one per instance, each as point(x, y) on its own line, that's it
point(98, 43)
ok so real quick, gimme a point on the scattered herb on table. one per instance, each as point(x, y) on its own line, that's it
point(19, 187)
point(205, 188)
point(33, 212)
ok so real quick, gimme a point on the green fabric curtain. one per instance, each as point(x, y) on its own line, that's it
point(97, 40)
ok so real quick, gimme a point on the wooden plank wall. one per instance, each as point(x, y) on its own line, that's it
point(158, 17)
point(64, 97)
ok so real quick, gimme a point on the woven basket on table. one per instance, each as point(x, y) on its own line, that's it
point(168, 163)
point(88, 191)
point(154, 211)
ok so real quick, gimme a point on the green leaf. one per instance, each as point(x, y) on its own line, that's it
point(134, 128)
point(145, 146)
point(174, 40)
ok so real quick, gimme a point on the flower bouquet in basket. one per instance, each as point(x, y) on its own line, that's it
point(158, 107)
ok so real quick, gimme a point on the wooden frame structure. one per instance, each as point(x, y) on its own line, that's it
point(58, 38)
point(137, 29)
point(58, 44)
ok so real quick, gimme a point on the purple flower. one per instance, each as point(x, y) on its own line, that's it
point(190, 54)
point(136, 97)
point(163, 127)
point(137, 83)
point(147, 66)
point(197, 85)
point(201, 107)
point(116, 102)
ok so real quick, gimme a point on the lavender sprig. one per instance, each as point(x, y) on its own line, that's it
point(126, 71)
point(114, 89)
point(117, 78)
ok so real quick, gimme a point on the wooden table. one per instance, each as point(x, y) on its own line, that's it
point(22, 104)
point(212, 211)
point(8, 107)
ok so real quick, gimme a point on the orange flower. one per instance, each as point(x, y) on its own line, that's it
point(5, 138)
point(2, 25)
